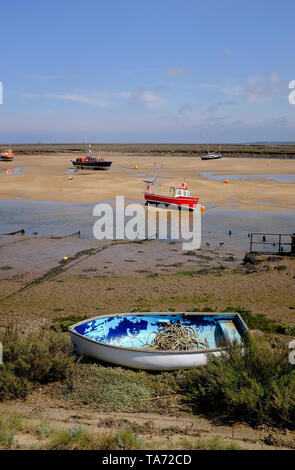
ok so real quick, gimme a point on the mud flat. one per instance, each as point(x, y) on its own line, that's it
point(37, 285)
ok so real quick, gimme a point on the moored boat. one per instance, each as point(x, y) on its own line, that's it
point(181, 197)
point(212, 156)
point(6, 155)
point(91, 162)
point(126, 339)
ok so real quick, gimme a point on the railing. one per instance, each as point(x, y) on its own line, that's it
point(278, 242)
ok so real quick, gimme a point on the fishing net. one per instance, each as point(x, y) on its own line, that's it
point(175, 337)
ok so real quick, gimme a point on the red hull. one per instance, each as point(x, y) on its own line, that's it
point(178, 201)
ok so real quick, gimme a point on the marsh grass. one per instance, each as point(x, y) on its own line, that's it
point(77, 438)
point(252, 382)
point(260, 321)
point(9, 424)
point(215, 443)
point(36, 357)
point(108, 388)
point(113, 388)
point(62, 324)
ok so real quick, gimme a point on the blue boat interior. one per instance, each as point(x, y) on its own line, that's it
point(138, 331)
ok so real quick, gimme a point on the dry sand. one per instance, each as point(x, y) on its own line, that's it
point(45, 177)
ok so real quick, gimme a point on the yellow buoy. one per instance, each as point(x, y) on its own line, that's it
point(65, 258)
point(136, 167)
point(203, 209)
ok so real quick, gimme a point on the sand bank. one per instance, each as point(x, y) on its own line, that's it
point(46, 177)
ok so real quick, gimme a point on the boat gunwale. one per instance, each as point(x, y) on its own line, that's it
point(235, 315)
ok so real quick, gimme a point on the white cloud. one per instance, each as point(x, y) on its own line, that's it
point(95, 99)
point(142, 96)
point(254, 88)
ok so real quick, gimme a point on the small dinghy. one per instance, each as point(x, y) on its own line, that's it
point(132, 339)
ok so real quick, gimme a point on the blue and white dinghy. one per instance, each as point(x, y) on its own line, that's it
point(127, 339)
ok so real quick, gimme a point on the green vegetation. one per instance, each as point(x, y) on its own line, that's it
point(139, 310)
point(108, 388)
point(62, 324)
point(203, 309)
point(186, 273)
point(211, 444)
point(251, 382)
point(44, 436)
point(78, 438)
point(9, 423)
point(261, 322)
point(257, 386)
point(37, 357)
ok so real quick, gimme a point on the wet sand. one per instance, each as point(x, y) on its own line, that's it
point(37, 286)
point(47, 177)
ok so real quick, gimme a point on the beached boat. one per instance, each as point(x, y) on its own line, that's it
point(181, 196)
point(212, 156)
point(91, 162)
point(126, 339)
point(6, 155)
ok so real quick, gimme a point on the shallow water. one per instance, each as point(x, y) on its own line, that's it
point(11, 171)
point(280, 178)
point(64, 218)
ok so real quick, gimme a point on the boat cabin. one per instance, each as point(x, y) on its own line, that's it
point(181, 193)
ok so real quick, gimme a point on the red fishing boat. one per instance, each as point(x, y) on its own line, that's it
point(6, 155)
point(181, 196)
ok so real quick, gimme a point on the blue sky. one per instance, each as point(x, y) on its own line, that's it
point(147, 71)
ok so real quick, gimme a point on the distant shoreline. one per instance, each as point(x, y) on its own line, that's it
point(161, 150)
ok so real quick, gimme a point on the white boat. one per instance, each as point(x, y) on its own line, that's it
point(212, 156)
point(125, 339)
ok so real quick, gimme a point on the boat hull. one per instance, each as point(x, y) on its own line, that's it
point(175, 201)
point(6, 159)
point(149, 359)
point(92, 166)
point(211, 158)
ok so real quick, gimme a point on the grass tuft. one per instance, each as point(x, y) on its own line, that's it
point(108, 388)
point(251, 382)
point(78, 438)
point(36, 357)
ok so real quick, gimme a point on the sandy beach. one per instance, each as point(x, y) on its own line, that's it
point(49, 177)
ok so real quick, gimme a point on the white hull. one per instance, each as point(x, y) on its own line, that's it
point(136, 359)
